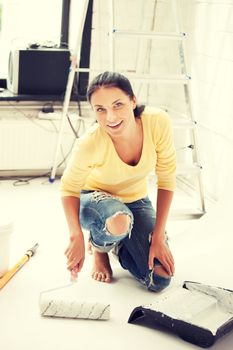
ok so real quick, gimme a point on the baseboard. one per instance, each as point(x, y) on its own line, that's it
point(28, 173)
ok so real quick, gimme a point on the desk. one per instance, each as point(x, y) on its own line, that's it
point(7, 95)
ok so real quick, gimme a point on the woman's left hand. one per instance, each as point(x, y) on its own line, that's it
point(160, 250)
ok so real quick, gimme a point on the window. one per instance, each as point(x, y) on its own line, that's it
point(26, 21)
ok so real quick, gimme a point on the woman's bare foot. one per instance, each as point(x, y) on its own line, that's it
point(101, 271)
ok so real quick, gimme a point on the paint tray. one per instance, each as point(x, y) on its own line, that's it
point(73, 301)
point(198, 313)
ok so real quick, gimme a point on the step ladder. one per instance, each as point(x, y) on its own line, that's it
point(182, 122)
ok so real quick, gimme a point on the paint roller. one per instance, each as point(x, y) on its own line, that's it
point(68, 302)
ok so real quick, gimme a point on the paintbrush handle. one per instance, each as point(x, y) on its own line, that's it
point(17, 267)
point(13, 271)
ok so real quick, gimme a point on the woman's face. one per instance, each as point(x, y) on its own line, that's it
point(113, 110)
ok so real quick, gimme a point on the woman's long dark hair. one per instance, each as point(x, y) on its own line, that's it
point(113, 79)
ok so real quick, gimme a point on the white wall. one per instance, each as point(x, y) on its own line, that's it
point(209, 25)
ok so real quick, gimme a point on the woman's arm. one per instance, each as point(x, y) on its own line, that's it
point(166, 179)
point(75, 251)
point(159, 249)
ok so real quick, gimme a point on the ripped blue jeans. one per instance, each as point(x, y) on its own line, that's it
point(132, 246)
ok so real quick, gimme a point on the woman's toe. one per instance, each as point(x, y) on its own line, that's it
point(108, 279)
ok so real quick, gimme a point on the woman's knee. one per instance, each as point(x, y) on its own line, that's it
point(119, 224)
point(160, 271)
point(158, 279)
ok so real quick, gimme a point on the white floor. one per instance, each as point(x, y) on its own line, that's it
point(202, 251)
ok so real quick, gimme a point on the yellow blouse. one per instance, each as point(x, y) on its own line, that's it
point(95, 164)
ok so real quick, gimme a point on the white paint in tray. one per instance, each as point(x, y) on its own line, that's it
point(200, 305)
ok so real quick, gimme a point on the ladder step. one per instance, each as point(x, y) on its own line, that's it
point(184, 79)
point(186, 214)
point(150, 34)
point(183, 169)
point(182, 123)
point(177, 114)
point(148, 78)
point(180, 120)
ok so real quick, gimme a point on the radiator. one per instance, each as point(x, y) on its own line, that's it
point(28, 143)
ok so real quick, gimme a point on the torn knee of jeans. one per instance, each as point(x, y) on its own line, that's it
point(119, 224)
point(156, 282)
point(160, 271)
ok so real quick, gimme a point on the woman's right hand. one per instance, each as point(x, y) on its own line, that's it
point(75, 254)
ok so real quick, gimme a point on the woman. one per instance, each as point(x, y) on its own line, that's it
point(104, 187)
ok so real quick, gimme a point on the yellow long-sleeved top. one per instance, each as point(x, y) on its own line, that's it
point(95, 164)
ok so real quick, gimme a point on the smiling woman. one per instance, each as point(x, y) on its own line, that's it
point(104, 188)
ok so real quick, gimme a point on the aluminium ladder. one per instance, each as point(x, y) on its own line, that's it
point(185, 122)
point(180, 121)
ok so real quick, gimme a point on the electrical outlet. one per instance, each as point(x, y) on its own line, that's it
point(57, 115)
point(50, 116)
